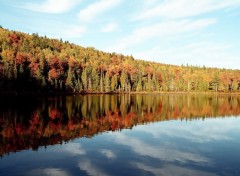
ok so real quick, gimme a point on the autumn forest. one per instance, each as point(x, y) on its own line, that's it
point(32, 63)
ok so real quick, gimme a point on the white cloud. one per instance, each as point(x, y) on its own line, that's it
point(185, 8)
point(164, 29)
point(108, 153)
point(210, 54)
point(158, 21)
point(110, 27)
point(97, 8)
point(52, 6)
point(67, 32)
point(73, 31)
point(91, 169)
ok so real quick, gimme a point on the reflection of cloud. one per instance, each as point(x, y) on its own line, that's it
point(108, 153)
point(91, 169)
point(163, 153)
point(196, 131)
point(74, 149)
point(48, 172)
point(172, 170)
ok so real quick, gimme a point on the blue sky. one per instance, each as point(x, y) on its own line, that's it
point(193, 32)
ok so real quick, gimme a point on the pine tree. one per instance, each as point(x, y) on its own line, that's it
point(101, 84)
point(139, 86)
point(15, 72)
point(69, 81)
point(107, 83)
point(95, 80)
point(148, 84)
point(79, 85)
point(114, 82)
point(123, 80)
point(84, 80)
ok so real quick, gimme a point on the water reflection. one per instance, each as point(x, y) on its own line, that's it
point(172, 170)
point(179, 151)
point(48, 171)
point(53, 120)
point(172, 135)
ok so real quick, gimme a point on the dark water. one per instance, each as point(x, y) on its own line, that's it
point(120, 135)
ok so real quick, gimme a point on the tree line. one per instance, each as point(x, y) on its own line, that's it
point(39, 64)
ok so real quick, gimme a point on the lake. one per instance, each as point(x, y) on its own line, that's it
point(148, 134)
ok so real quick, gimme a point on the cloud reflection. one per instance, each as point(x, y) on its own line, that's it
point(74, 149)
point(91, 169)
point(159, 152)
point(196, 131)
point(170, 170)
point(48, 172)
point(108, 153)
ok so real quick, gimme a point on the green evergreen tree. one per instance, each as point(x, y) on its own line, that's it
point(114, 81)
point(148, 85)
point(69, 81)
point(95, 80)
point(101, 84)
point(123, 81)
point(107, 83)
point(79, 86)
point(15, 71)
point(139, 86)
point(84, 80)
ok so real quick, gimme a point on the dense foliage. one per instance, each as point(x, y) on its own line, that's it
point(37, 64)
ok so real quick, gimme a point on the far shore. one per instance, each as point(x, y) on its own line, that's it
point(16, 94)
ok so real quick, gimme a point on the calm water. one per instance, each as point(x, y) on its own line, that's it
point(120, 135)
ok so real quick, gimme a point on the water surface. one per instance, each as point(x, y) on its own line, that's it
point(120, 135)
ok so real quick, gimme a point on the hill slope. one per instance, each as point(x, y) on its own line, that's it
point(34, 63)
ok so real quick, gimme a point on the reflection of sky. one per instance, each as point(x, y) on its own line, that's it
point(196, 130)
point(108, 153)
point(197, 147)
point(48, 172)
point(158, 151)
point(170, 170)
point(177, 143)
point(90, 168)
point(74, 149)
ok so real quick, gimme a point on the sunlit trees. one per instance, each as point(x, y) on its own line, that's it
point(35, 63)
point(107, 83)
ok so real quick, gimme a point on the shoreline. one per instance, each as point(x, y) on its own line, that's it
point(19, 94)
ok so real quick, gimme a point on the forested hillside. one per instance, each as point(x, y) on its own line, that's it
point(31, 63)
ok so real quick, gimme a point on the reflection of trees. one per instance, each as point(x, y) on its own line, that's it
point(49, 121)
